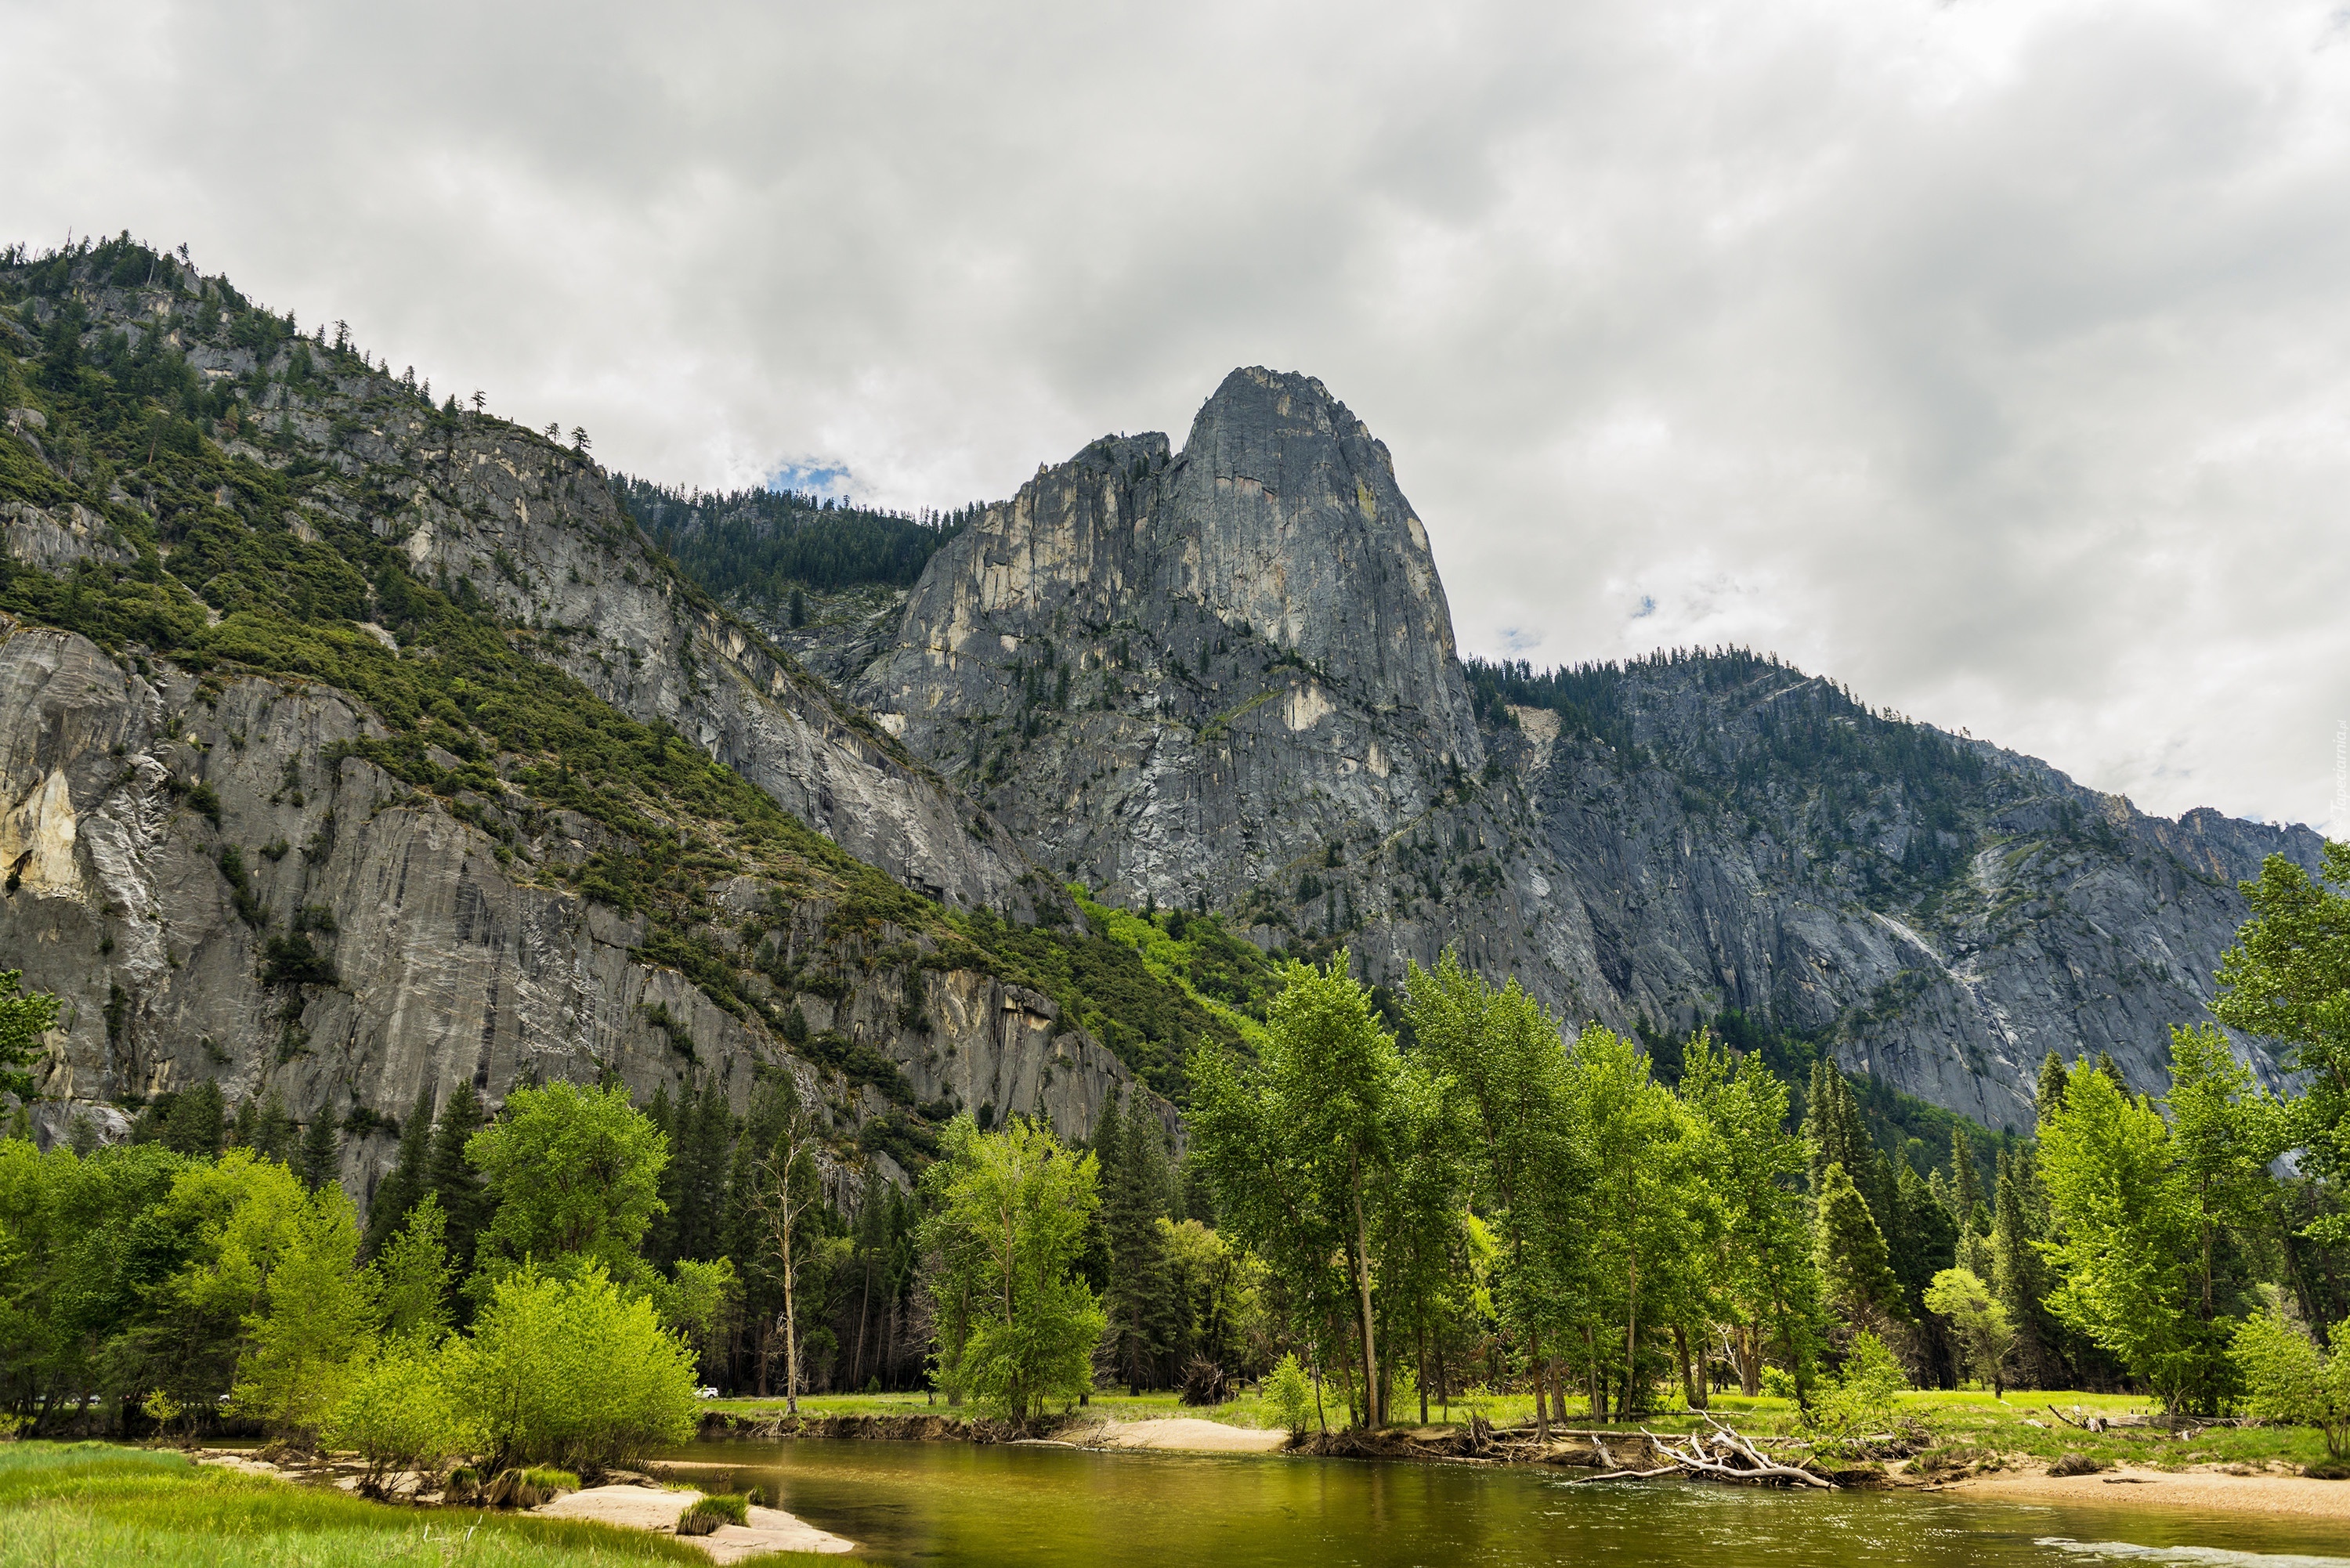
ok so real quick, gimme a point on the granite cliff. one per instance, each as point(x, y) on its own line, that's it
point(1224, 679)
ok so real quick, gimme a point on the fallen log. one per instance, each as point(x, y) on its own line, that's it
point(1724, 1455)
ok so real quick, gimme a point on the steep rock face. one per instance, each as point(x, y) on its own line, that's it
point(447, 961)
point(2067, 921)
point(1243, 651)
point(1227, 677)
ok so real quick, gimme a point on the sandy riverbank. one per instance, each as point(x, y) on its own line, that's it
point(657, 1509)
point(1178, 1434)
point(2207, 1491)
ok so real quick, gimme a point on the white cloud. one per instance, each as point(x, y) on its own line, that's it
point(1990, 357)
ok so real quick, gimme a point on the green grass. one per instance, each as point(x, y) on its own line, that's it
point(1963, 1418)
point(69, 1505)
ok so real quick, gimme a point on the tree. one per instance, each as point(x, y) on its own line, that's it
point(2287, 1378)
point(321, 1315)
point(1292, 1143)
point(575, 1174)
point(197, 1122)
point(702, 1302)
point(2126, 1244)
point(322, 1153)
point(1766, 1278)
point(2287, 978)
point(1132, 1167)
point(398, 1414)
point(1649, 1212)
point(1502, 1067)
point(570, 1372)
point(579, 441)
point(411, 1274)
point(2225, 1133)
point(450, 1178)
point(1985, 1336)
point(25, 1017)
point(403, 1186)
point(479, 398)
point(1009, 1215)
point(785, 1192)
point(1854, 1266)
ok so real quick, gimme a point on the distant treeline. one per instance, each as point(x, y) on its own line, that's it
point(762, 544)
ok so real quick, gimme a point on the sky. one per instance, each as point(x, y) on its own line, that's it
point(1991, 358)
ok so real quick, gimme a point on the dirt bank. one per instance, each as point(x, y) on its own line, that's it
point(657, 1509)
point(2208, 1490)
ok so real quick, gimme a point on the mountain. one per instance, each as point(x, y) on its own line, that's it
point(353, 747)
point(1224, 679)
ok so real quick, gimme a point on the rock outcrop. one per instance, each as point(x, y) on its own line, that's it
point(446, 959)
point(1225, 678)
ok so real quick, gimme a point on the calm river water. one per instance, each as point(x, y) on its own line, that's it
point(917, 1503)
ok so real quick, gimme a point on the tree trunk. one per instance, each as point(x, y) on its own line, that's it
point(791, 1333)
point(1692, 1386)
point(1631, 1330)
point(1421, 1374)
point(1363, 1296)
point(1597, 1399)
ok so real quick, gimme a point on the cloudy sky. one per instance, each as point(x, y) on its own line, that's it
point(1992, 356)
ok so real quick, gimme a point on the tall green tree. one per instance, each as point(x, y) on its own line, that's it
point(2287, 979)
point(1766, 1280)
point(1502, 1065)
point(575, 1173)
point(1139, 1299)
point(1855, 1265)
point(1009, 1213)
point(319, 1317)
point(1648, 1209)
point(1293, 1143)
point(2126, 1245)
point(402, 1187)
point(452, 1179)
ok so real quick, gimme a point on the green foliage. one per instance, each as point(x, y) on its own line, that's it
point(1288, 1390)
point(1860, 1400)
point(411, 1274)
point(1009, 1215)
point(767, 544)
point(570, 1372)
point(321, 1315)
point(2126, 1244)
point(2289, 1378)
point(1979, 1321)
point(1855, 1270)
point(25, 1017)
point(2288, 978)
point(574, 1173)
point(398, 1413)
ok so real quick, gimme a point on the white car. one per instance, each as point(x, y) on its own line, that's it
point(705, 1392)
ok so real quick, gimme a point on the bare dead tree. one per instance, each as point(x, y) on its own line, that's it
point(786, 1191)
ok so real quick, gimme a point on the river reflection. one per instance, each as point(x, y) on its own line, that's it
point(919, 1504)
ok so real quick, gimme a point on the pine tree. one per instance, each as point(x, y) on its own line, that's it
point(662, 1241)
point(449, 1177)
point(275, 1132)
point(1139, 1300)
point(196, 1123)
point(241, 1130)
point(405, 1184)
point(2018, 1276)
point(2050, 1094)
point(1854, 1266)
point(1966, 1181)
point(322, 1153)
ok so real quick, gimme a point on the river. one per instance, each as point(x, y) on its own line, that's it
point(1026, 1507)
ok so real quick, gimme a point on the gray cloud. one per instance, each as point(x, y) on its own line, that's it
point(1990, 357)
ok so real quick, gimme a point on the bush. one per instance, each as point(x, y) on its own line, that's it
point(707, 1514)
point(2288, 1379)
point(399, 1416)
point(1778, 1383)
point(568, 1372)
point(1291, 1396)
point(1859, 1402)
point(2072, 1462)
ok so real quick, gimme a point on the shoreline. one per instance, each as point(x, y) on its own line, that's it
point(2211, 1488)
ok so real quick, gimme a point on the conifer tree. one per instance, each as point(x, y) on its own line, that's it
point(1853, 1264)
point(1966, 1181)
point(321, 1153)
point(455, 1183)
point(1133, 1185)
point(404, 1185)
point(196, 1125)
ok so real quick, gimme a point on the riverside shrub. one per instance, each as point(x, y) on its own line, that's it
point(399, 1416)
point(2288, 1378)
point(566, 1371)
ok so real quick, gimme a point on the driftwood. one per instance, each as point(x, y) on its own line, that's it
point(1723, 1454)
